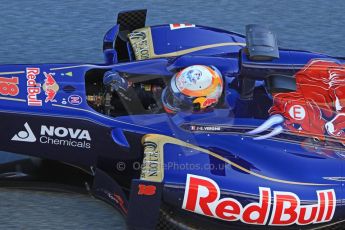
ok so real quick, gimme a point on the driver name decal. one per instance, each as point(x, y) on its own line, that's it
point(202, 196)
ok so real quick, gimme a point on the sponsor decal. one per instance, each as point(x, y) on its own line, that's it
point(33, 88)
point(297, 112)
point(140, 44)
point(25, 135)
point(208, 102)
point(69, 74)
point(146, 190)
point(202, 196)
point(50, 87)
point(316, 108)
point(205, 102)
point(52, 135)
point(9, 86)
point(335, 178)
point(180, 26)
point(75, 100)
point(152, 169)
point(118, 200)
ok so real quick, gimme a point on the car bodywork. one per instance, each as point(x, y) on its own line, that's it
point(267, 157)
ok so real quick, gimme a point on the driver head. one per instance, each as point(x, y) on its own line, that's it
point(195, 88)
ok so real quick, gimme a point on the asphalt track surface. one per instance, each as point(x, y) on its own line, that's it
point(50, 31)
point(26, 209)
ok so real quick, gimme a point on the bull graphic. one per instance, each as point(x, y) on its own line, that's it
point(316, 108)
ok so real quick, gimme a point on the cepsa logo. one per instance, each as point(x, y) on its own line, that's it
point(202, 196)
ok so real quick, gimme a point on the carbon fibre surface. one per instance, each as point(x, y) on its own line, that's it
point(131, 20)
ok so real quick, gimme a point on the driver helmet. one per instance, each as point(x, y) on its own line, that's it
point(196, 88)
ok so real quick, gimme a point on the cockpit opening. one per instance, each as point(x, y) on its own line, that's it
point(130, 94)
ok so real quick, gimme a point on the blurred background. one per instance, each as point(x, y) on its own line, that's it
point(50, 31)
point(33, 31)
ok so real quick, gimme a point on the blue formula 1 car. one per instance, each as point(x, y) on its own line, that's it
point(184, 127)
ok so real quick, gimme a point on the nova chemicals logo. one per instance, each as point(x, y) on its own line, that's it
point(65, 136)
point(25, 135)
point(52, 135)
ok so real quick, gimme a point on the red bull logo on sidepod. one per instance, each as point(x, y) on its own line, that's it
point(202, 196)
point(316, 108)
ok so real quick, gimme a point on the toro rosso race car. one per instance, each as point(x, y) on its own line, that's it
point(184, 127)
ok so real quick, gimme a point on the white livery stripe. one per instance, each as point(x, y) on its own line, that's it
point(12, 99)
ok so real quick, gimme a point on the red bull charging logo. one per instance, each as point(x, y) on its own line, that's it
point(50, 87)
point(316, 108)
